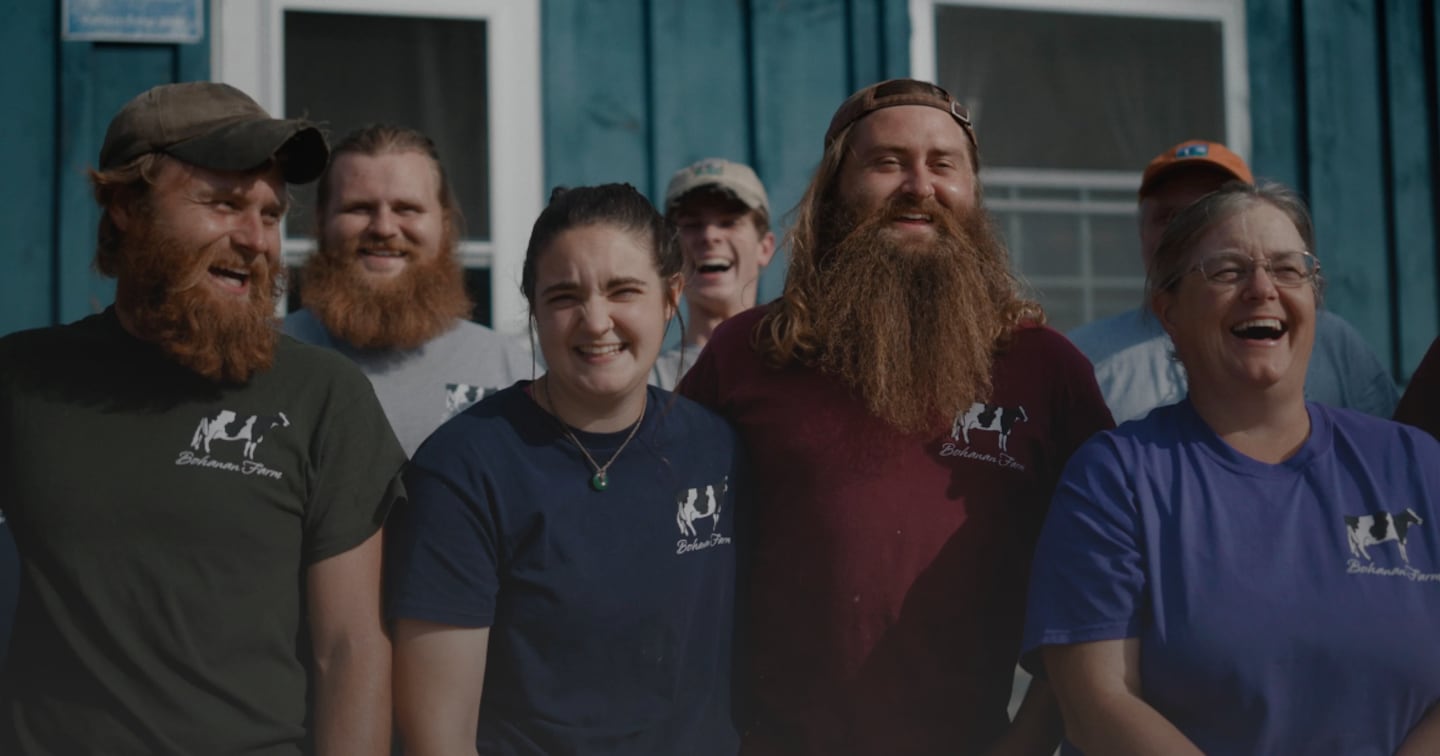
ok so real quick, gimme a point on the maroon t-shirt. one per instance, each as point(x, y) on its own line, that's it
point(1420, 406)
point(889, 569)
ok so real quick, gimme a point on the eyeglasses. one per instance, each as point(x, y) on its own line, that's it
point(1233, 267)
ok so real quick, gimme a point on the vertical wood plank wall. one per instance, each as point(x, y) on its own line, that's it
point(636, 89)
point(62, 97)
point(1411, 101)
point(27, 212)
point(1343, 105)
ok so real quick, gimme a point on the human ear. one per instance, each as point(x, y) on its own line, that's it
point(767, 249)
point(1162, 306)
point(120, 211)
point(673, 286)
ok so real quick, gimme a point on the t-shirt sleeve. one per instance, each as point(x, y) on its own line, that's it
point(443, 557)
point(1418, 407)
point(354, 480)
point(1088, 580)
point(1370, 388)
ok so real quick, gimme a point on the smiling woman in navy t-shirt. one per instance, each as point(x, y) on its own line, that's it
point(562, 579)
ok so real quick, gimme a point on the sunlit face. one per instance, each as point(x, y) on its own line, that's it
point(914, 154)
point(724, 252)
point(600, 313)
point(1241, 337)
point(230, 220)
point(1174, 193)
point(384, 211)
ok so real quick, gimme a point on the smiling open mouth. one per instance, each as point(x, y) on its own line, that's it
point(598, 350)
point(714, 266)
point(236, 277)
point(1260, 329)
point(913, 218)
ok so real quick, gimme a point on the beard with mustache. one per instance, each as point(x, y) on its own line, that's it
point(912, 325)
point(402, 313)
point(166, 304)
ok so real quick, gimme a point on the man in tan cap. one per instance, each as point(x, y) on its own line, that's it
point(1132, 354)
point(907, 416)
point(196, 500)
point(722, 215)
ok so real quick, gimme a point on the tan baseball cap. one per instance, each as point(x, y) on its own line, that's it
point(893, 93)
point(214, 126)
point(1194, 153)
point(728, 176)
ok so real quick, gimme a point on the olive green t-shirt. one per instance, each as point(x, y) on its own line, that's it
point(165, 524)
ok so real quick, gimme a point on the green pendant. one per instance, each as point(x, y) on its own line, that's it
point(599, 482)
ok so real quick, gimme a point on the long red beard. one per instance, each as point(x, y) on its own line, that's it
point(911, 325)
point(165, 303)
point(401, 313)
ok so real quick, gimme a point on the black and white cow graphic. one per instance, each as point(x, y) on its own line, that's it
point(226, 426)
point(987, 417)
point(1374, 529)
point(459, 397)
point(687, 512)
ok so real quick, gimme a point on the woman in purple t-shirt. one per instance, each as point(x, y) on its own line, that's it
point(1243, 572)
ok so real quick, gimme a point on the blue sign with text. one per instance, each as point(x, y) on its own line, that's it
point(133, 20)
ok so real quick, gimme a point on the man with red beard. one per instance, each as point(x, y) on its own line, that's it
point(196, 500)
point(907, 417)
point(386, 289)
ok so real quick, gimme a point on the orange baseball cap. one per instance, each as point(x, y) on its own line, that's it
point(1195, 152)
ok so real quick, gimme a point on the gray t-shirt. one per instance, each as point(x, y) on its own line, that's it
point(670, 368)
point(422, 388)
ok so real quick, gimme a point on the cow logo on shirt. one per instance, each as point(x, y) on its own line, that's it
point(702, 506)
point(1374, 531)
point(460, 396)
point(229, 435)
point(986, 418)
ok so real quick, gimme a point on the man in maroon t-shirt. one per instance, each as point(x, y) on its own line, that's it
point(907, 416)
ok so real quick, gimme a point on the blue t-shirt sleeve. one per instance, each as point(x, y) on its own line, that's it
point(1088, 582)
point(443, 551)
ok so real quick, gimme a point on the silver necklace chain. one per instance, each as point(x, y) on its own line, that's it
point(601, 479)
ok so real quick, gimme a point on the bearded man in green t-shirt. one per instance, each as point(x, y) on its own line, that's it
point(196, 500)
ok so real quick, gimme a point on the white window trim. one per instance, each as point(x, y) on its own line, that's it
point(1231, 14)
point(246, 50)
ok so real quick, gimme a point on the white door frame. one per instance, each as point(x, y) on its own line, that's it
point(247, 51)
point(1230, 14)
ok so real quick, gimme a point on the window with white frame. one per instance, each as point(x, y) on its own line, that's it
point(1071, 99)
point(465, 72)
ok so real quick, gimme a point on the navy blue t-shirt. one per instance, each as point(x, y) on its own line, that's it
point(611, 613)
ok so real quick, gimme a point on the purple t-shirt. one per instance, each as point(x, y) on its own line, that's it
point(1290, 608)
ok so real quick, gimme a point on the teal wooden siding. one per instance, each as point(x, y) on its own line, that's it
point(65, 95)
point(1343, 103)
point(27, 212)
point(635, 90)
point(1410, 177)
point(1343, 107)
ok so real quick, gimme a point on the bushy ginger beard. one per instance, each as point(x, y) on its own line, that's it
point(160, 291)
point(402, 312)
point(911, 325)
